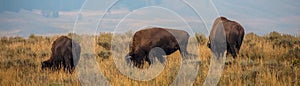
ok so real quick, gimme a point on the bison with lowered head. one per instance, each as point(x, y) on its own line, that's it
point(160, 40)
point(234, 34)
point(65, 53)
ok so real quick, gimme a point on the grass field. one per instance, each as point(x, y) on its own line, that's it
point(272, 59)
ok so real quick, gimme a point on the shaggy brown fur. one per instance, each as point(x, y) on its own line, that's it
point(159, 40)
point(234, 33)
point(65, 53)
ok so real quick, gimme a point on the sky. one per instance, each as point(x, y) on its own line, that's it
point(195, 16)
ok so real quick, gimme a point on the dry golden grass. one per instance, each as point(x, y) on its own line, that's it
point(263, 60)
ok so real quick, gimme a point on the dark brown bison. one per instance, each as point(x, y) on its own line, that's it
point(65, 53)
point(161, 41)
point(234, 33)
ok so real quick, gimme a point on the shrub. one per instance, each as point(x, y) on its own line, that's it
point(105, 45)
point(294, 53)
point(74, 37)
point(296, 63)
point(274, 35)
point(4, 40)
point(31, 36)
point(31, 54)
point(104, 54)
point(129, 33)
point(201, 39)
point(16, 39)
point(105, 40)
point(33, 39)
point(284, 40)
point(44, 54)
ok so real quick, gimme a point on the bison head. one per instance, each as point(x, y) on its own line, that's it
point(135, 59)
point(46, 64)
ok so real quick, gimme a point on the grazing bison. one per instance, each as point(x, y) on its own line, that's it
point(65, 53)
point(234, 33)
point(158, 40)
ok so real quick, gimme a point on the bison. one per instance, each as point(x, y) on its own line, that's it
point(65, 53)
point(160, 40)
point(234, 33)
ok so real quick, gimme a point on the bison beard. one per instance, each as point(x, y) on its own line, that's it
point(65, 53)
point(234, 35)
point(159, 40)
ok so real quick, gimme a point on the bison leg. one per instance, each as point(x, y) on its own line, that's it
point(228, 49)
point(72, 66)
point(148, 60)
point(56, 65)
point(158, 53)
point(184, 54)
point(138, 62)
point(208, 45)
point(239, 44)
point(64, 63)
point(183, 49)
point(68, 64)
point(232, 49)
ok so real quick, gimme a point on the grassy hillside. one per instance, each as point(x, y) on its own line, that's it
point(272, 59)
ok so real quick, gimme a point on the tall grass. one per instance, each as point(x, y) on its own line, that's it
point(271, 59)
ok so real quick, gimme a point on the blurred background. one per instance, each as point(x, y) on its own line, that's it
point(50, 17)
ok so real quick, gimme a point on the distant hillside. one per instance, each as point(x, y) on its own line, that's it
point(47, 6)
